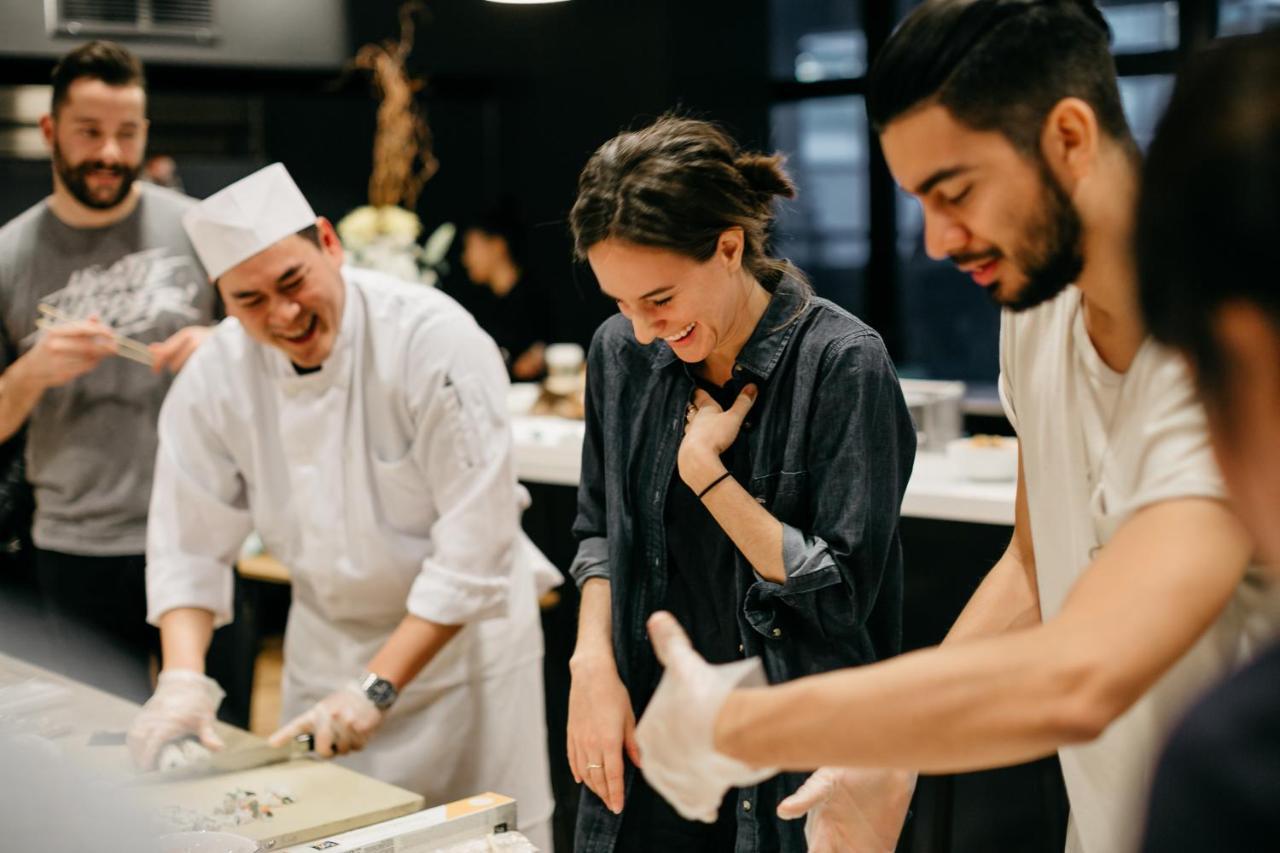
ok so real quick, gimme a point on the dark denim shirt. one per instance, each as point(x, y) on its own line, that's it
point(831, 448)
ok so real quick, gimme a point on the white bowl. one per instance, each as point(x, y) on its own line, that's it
point(206, 842)
point(521, 397)
point(986, 458)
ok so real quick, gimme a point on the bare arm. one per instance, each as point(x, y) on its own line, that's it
point(601, 722)
point(1007, 598)
point(751, 527)
point(595, 623)
point(411, 646)
point(185, 633)
point(1009, 698)
point(19, 394)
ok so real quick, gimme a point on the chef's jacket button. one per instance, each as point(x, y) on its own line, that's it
point(746, 805)
point(777, 632)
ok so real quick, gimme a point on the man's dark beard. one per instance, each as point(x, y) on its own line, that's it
point(74, 178)
point(1051, 256)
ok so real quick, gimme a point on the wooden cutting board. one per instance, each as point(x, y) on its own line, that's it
point(87, 725)
point(327, 799)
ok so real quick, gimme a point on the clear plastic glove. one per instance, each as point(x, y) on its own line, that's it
point(676, 733)
point(185, 703)
point(851, 809)
point(342, 722)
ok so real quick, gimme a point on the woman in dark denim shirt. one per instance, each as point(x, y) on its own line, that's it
point(747, 448)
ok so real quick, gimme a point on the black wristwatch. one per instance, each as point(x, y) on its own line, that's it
point(379, 691)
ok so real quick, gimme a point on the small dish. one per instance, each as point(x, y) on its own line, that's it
point(984, 458)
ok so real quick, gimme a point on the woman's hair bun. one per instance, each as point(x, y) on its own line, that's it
point(764, 174)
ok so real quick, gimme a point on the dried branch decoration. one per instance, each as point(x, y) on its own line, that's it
point(403, 160)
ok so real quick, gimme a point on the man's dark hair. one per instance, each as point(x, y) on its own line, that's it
point(1209, 212)
point(311, 234)
point(999, 65)
point(97, 60)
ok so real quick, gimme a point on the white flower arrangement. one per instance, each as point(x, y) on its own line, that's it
point(385, 239)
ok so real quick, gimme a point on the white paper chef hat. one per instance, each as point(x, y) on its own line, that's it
point(238, 222)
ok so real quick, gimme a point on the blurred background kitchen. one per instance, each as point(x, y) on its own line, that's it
point(515, 97)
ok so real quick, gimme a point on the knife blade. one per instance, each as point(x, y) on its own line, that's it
point(228, 761)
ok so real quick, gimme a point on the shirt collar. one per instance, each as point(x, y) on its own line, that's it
point(764, 348)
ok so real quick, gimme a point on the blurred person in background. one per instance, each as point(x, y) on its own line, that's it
point(1207, 225)
point(107, 251)
point(512, 305)
point(162, 170)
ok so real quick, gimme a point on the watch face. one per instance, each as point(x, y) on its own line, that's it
point(380, 692)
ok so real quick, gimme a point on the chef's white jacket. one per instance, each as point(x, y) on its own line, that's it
point(384, 482)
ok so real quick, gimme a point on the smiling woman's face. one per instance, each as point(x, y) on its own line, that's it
point(698, 307)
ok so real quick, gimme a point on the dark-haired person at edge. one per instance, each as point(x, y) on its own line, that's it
point(1126, 588)
point(747, 449)
point(512, 306)
point(109, 252)
point(1207, 222)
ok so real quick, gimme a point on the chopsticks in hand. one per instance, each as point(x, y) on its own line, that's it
point(127, 347)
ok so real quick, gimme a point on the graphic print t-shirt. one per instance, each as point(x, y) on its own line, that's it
point(91, 444)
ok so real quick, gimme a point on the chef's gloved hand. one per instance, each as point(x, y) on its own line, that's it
point(342, 722)
point(185, 703)
point(676, 733)
point(851, 809)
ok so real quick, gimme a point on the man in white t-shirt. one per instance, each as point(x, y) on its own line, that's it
point(1126, 589)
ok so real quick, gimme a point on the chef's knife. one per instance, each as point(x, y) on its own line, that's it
point(227, 760)
point(231, 760)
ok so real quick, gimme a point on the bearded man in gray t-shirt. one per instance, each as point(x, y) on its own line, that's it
point(110, 254)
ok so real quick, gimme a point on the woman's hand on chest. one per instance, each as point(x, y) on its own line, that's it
point(709, 431)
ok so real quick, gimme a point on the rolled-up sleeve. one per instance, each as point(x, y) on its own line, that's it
point(462, 446)
point(590, 527)
point(859, 463)
point(199, 514)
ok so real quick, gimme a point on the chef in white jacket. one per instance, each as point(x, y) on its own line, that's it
point(358, 424)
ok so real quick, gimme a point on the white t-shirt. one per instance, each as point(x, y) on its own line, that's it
point(1097, 446)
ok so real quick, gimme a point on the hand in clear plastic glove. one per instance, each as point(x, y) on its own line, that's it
point(676, 733)
point(185, 703)
point(851, 809)
point(342, 722)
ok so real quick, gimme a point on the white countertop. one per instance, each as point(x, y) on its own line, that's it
point(549, 450)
